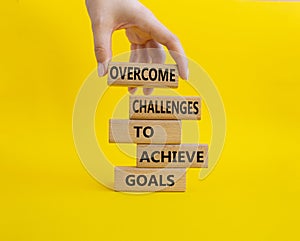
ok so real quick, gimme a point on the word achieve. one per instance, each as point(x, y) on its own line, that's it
point(183, 156)
point(141, 131)
point(141, 74)
point(128, 179)
point(165, 107)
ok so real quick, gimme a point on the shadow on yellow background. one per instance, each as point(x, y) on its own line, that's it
point(250, 49)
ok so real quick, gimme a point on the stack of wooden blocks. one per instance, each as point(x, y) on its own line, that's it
point(155, 126)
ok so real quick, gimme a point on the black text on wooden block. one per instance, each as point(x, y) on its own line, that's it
point(132, 179)
point(142, 131)
point(183, 156)
point(165, 107)
point(142, 74)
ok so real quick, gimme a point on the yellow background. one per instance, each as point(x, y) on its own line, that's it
point(250, 49)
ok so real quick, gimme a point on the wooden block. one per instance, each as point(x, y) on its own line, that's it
point(141, 131)
point(132, 179)
point(165, 107)
point(142, 74)
point(183, 156)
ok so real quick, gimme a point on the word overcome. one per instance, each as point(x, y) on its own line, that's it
point(138, 74)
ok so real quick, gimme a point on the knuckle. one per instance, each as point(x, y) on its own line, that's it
point(100, 53)
point(173, 38)
point(99, 50)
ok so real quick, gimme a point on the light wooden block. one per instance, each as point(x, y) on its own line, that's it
point(165, 107)
point(141, 131)
point(132, 179)
point(183, 156)
point(142, 74)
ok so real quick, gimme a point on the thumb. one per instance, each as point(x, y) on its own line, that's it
point(102, 43)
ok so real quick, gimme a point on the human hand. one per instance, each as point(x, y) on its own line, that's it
point(145, 33)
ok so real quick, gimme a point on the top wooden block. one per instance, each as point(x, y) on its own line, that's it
point(142, 74)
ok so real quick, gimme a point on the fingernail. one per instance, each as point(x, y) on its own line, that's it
point(101, 70)
point(132, 90)
point(148, 91)
point(187, 74)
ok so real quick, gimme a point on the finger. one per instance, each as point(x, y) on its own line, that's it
point(133, 53)
point(133, 59)
point(144, 57)
point(102, 43)
point(177, 53)
point(162, 35)
point(132, 90)
point(147, 91)
point(156, 52)
point(157, 55)
point(172, 43)
point(142, 54)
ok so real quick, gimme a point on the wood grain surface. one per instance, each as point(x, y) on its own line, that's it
point(142, 131)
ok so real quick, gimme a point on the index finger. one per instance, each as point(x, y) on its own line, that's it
point(165, 37)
